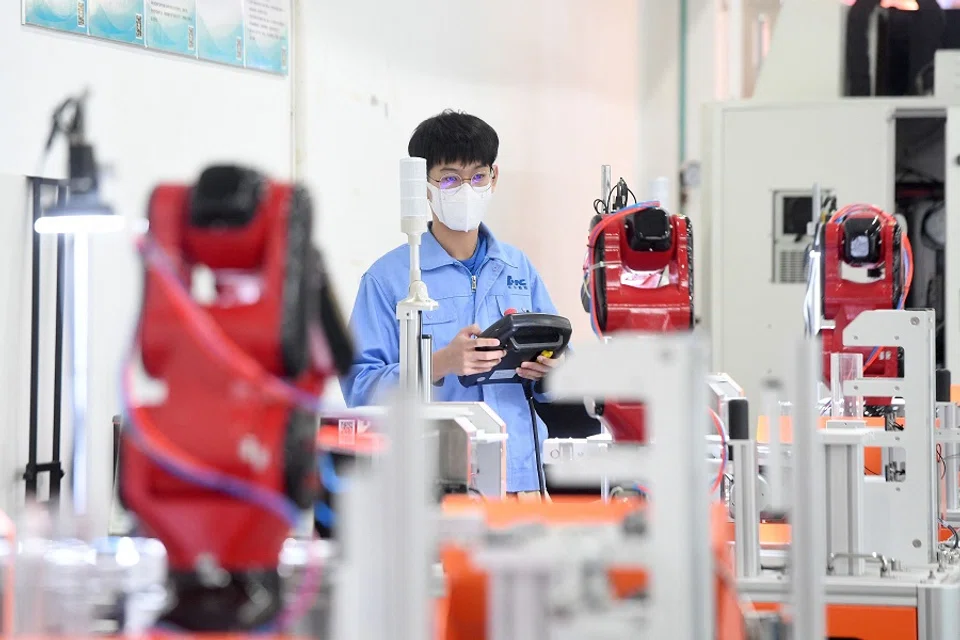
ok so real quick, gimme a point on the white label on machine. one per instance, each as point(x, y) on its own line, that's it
point(347, 432)
point(503, 374)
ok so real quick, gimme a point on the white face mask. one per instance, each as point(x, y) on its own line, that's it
point(460, 209)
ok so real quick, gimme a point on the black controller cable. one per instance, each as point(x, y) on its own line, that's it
point(528, 392)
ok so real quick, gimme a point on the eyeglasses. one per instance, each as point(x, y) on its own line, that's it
point(454, 181)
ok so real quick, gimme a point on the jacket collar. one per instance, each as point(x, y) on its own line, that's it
point(434, 256)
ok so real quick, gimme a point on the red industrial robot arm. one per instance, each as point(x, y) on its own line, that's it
point(639, 275)
point(219, 470)
point(867, 264)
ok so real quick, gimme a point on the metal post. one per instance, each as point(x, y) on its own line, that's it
point(79, 343)
point(688, 556)
point(947, 413)
point(951, 473)
point(746, 514)
point(500, 606)
point(817, 202)
point(843, 460)
point(775, 481)
point(605, 482)
point(809, 558)
point(426, 367)
point(408, 541)
point(530, 589)
point(360, 579)
point(519, 579)
point(56, 473)
point(410, 328)
point(30, 474)
point(606, 182)
point(54, 467)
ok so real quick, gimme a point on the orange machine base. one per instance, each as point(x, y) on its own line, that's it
point(462, 614)
point(863, 622)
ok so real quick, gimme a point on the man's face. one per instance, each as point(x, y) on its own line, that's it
point(453, 175)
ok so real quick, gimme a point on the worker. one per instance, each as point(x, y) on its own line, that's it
point(474, 278)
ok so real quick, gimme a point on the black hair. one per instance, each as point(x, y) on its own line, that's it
point(454, 137)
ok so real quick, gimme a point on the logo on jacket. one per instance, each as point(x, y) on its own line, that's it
point(519, 285)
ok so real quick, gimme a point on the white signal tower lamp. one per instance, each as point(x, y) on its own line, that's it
point(82, 214)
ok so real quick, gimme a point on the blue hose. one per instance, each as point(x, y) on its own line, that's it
point(328, 475)
point(269, 500)
point(323, 514)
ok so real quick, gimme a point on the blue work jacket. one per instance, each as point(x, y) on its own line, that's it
point(506, 280)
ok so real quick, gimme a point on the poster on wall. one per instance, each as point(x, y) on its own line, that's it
point(119, 20)
point(220, 31)
point(62, 15)
point(172, 26)
point(245, 33)
point(267, 34)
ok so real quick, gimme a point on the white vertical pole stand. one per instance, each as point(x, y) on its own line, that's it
point(414, 219)
point(606, 182)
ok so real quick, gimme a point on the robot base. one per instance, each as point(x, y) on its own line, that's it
point(236, 602)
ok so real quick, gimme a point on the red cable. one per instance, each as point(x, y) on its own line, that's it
point(723, 456)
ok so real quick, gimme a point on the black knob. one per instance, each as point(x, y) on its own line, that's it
point(738, 419)
point(738, 422)
point(943, 385)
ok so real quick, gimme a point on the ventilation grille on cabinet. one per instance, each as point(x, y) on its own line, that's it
point(792, 267)
point(792, 225)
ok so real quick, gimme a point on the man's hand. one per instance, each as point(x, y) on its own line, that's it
point(536, 370)
point(461, 357)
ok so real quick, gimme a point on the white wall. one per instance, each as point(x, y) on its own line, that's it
point(557, 79)
point(156, 118)
point(794, 70)
point(659, 109)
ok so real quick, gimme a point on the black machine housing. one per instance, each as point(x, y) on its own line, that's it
point(649, 230)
